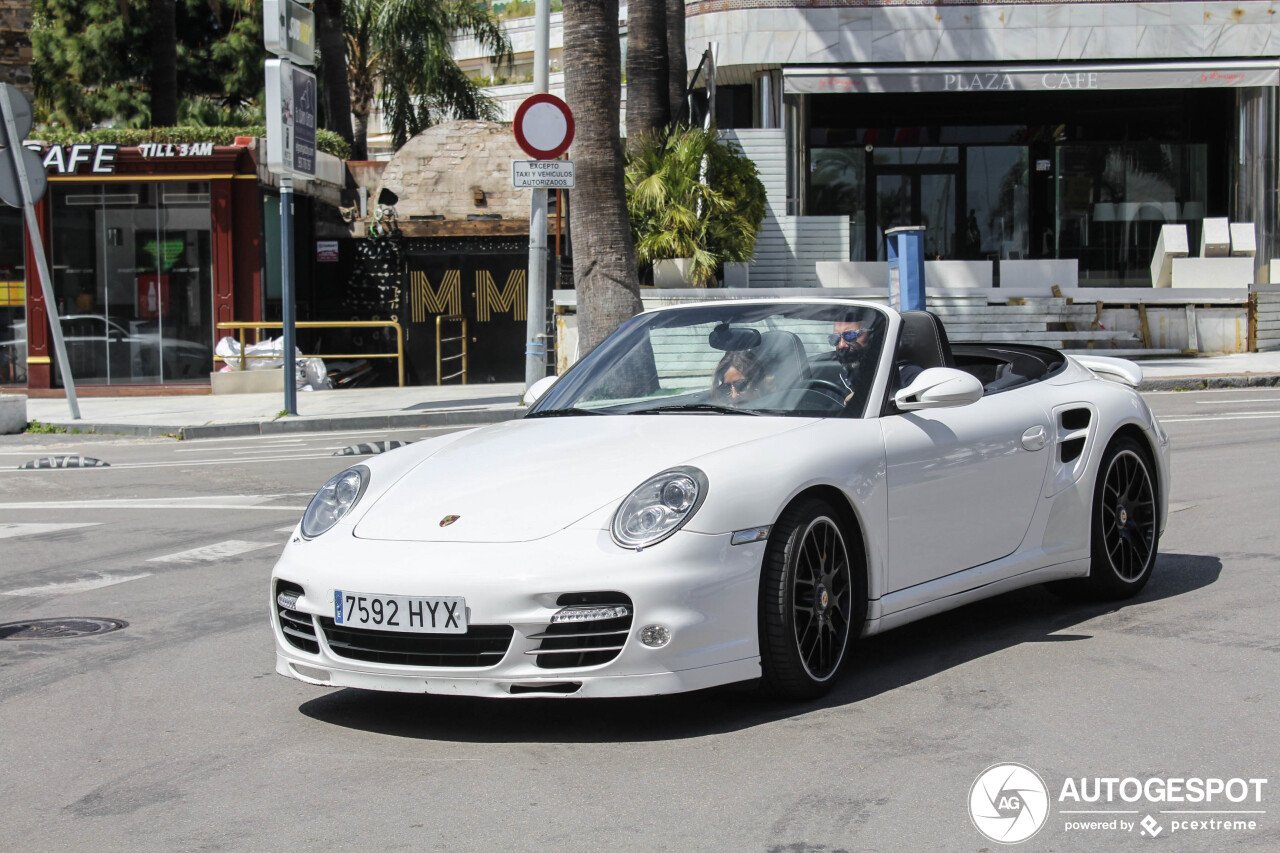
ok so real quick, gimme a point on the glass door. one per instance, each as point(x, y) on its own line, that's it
point(916, 198)
point(133, 276)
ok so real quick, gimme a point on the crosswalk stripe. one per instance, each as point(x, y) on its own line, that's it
point(209, 553)
point(8, 531)
point(75, 586)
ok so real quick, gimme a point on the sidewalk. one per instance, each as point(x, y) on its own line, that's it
point(231, 415)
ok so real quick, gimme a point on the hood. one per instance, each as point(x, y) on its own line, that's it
point(524, 480)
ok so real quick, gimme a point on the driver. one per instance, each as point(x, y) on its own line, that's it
point(853, 340)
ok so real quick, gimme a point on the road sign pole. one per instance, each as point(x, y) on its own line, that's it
point(286, 294)
point(37, 248)
point(535, 351)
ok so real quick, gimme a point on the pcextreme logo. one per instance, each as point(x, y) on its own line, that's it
point(1009, 803)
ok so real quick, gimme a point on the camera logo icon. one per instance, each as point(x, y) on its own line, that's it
point(1008, 803)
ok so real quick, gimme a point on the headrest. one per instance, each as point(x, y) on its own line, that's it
point(923, 341)
point(733, 338)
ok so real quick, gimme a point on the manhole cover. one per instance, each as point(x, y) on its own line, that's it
point(60, 629)
point(370, 449)
point(66, 462)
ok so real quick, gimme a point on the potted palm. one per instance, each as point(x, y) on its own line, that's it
point(695, 203)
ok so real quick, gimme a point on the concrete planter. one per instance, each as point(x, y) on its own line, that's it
point(673, 272)
point(13, 413)
point(247, 381)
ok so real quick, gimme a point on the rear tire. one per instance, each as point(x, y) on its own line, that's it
point(1124, 529)
point(812, 600)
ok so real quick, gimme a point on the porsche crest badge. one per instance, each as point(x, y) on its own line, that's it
point(448, 519)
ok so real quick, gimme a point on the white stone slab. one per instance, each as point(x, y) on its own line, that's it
point(1215, 238)
point(957, 274)
point(1040, 274)
point(1172, 244)
point(860, 274)
point(13, 413)
point(1212, 272)
point(1244, 241)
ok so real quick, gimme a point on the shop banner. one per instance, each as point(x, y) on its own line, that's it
point(291, 119)
point(821, 81)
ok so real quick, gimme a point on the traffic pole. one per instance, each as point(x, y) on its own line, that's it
point(37, 248)
point(286, 294)
point(535, 351)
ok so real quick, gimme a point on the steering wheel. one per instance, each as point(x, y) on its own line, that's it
point(824, 386)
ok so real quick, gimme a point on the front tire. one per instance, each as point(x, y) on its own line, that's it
point(812, 603)
point(1125, 523)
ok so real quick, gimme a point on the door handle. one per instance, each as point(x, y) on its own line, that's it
point(1035, 438)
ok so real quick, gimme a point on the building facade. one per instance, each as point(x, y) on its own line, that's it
point(1010, 130)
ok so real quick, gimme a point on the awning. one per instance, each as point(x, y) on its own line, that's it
point(1030, 78)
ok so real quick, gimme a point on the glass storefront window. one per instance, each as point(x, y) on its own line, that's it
point(996, 204)
point(1113, 199)
point(915, 156)
point(13, 298)
point(838, 186)
point(132, 270)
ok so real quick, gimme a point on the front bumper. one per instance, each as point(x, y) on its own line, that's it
point(700, 588)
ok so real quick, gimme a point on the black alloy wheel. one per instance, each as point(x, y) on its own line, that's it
point(1126, 522)
point(812, 603)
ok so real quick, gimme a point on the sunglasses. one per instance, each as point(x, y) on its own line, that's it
point(849, 337)
point(741, 386)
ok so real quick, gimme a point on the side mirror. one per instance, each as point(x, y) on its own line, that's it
point(538, 388)
point(939, 388)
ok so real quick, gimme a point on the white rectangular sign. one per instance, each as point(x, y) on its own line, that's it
point(291, 119)
point(289, 31)
point(545, 174)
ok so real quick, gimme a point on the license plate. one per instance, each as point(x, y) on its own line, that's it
point(435, 615)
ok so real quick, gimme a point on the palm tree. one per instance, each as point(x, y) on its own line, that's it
point(677, 62)
point(164, 63)
point(398, 51)
point(604, 265)
point(647, 96)
point(692, 195)
point(335, 89)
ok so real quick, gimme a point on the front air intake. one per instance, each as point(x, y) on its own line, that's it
point(590, 629)
point(298, 629)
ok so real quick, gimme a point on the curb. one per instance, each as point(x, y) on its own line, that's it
point(1203, 383)
point(338, 423)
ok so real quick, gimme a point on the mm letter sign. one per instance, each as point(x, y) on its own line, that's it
point(547, 174)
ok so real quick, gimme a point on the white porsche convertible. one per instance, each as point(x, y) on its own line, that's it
point(721, 492)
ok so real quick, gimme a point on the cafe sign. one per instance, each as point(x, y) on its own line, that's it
point(101, 159)
point(1023, 78)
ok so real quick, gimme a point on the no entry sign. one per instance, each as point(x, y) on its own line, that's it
point(543, 126)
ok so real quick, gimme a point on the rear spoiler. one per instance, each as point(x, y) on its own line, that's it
point(1115, 369)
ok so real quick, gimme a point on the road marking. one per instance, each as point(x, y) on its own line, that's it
point(286, 529)
point(209, 553)
point(256, 502)
point(1233, 402)
point(1251, 416)
point(8, 531)
point(76, 586)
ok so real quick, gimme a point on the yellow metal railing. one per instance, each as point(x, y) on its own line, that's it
point(398, 355)
point(441, 341)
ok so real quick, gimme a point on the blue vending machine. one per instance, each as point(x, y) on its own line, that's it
point(906, 267)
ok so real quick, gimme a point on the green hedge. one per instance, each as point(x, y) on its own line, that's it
point(326, 140)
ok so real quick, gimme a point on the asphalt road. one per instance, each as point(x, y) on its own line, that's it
point(175, 734)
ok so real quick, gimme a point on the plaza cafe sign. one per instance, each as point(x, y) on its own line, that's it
point(1185, 75)
point(101, 159)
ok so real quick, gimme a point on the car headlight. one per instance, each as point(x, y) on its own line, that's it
point(659, 507)
point(334, 500)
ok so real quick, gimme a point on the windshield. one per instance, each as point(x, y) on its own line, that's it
point(736, 358)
